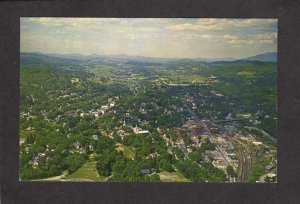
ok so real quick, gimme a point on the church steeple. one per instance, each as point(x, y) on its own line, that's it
point(124, 123)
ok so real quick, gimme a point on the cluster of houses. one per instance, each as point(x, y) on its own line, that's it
point(228, 151)
point(104, 109)
point(194, 130)
point(35, 160)
point(197, 133)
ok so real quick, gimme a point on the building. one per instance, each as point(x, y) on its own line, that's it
point(138, 130)
point(105, 107)
point(74, 80)
point(219, 164)
point(195, 139)
point(96, 113)
point(146, 171)
point(257, 143)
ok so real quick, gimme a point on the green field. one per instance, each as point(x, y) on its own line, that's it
point(172, 177)
point(247, 74)
point(87, 172)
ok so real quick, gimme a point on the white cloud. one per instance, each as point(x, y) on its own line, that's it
point(193, 27)
point(230, 37)
point(222, 24)
point(150, 37)
point(263, 38)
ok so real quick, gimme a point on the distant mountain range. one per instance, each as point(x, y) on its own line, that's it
point(265, 57)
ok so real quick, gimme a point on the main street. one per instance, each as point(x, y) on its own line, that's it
point(199, 122)
point(243, 150)
point(244, 156)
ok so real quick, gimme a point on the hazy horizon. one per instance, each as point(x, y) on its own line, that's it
point(151, 37)
point(122, 54)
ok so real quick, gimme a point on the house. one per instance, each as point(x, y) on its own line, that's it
point(101, 111)
point(231, 152)
point(41, 154)
point(189, 150)
point(81, 151)
point(145, 171)
point(112, 105)
point(77, 145)
point(143, 111)
point(143, 132)
point(27, 149)
point(74, 80)
point(257, 143)
point(138, 130)
point(35, 163)
point(269, 167)
point(104, 107)
point(95, 137)
point(271, 175)
point(96, 114)
point(145, 122)
point(153, 155)
point(206, 158)
point(29, 128)
point(110, 100)
point(195, 139)
point(219, 164)
point(121, 132)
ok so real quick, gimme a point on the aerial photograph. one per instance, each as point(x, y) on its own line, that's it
point(148, 100)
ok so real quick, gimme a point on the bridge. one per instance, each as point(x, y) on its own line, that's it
point(230, 121)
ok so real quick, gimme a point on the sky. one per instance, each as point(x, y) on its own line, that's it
point(150, 37)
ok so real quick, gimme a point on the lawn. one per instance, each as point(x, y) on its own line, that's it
point(172, 177)
point(127, 151)
point(87, 172)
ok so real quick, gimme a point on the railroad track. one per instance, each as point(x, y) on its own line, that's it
point(245, 160)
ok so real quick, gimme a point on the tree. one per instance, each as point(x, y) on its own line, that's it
point(74, 162)
point(196, 156)
point(230, 171)
point(179, 153)
point(106, 162)
point(117, 138)
point(30, 139)
point(152, 178)
point(104, 144)
point(270, 179)
point(165, 165)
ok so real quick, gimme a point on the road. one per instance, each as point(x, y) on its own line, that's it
point(272, 138)
point(196, 119)
point(217, 146)
point(54, 178)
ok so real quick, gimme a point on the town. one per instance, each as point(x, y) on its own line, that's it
point(129, 121)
